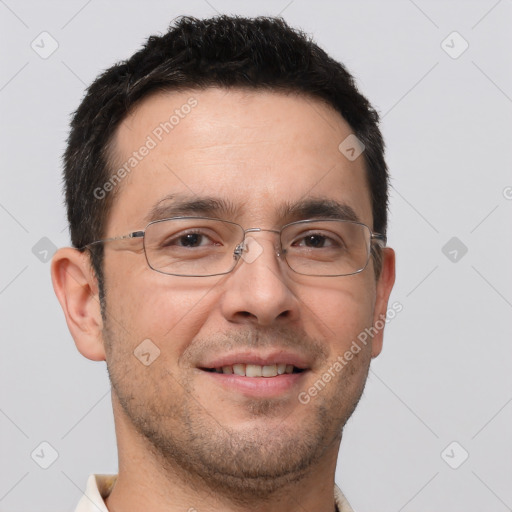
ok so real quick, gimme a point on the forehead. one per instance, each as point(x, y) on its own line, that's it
point(258, 152)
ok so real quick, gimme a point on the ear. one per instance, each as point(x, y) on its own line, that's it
point(383, 290)
point(76, 288)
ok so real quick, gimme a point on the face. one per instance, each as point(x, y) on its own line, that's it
point(260, 156)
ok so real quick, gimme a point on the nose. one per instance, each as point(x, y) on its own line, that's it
point(258, 290)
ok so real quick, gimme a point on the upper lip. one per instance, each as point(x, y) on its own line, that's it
point(259, 358)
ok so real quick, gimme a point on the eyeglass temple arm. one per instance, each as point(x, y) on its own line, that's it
point(380, 239)
point(133, 234)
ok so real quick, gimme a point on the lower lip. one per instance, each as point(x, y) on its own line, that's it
point(260, 387)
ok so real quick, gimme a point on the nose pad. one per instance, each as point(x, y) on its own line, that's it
point(250, 250)
point(239, 250)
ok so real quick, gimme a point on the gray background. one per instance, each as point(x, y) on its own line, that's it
point(445, 373)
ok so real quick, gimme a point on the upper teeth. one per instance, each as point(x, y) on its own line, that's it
point(256, 370)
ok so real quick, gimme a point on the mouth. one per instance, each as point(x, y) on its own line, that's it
point(257, 375)
point(256, 370)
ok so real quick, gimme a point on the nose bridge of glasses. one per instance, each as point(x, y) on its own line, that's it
point(257, 230)
point(248, 240)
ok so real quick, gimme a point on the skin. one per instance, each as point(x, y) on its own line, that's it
point(184, 440)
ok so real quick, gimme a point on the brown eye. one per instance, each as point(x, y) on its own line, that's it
point(191, 240)
point(314, 241)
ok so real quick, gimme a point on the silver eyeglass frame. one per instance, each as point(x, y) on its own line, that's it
point(379, 238)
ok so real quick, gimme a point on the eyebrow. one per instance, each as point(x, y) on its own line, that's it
point(318, 208)
point(174, 205)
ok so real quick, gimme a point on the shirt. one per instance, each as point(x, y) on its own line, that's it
point(100, 486)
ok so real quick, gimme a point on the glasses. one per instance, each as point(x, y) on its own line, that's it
point(203, 246)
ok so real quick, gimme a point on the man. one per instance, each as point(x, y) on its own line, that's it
point(227, 198)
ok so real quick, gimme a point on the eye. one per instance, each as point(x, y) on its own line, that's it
point(190, 240)
point(315, 241)
point(318, 241)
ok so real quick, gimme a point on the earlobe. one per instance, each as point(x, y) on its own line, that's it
point(384, 286)
point(76, 288)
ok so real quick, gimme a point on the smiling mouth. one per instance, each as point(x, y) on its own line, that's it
point(256, 370)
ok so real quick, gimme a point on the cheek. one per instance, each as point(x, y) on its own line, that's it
point(339, 312)
point(168, 310)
